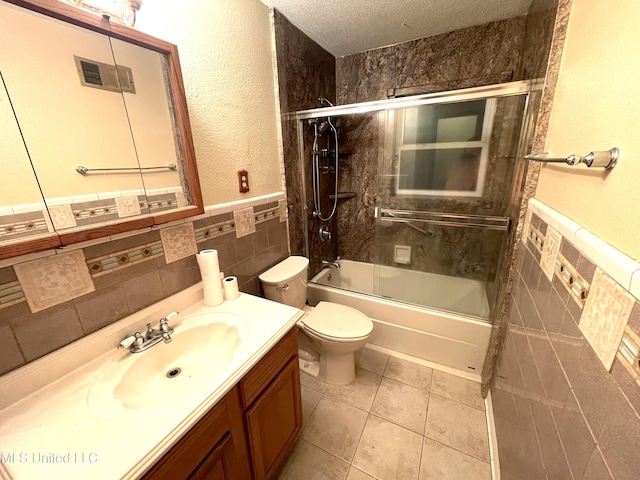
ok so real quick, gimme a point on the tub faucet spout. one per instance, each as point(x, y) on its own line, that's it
point(335, 264)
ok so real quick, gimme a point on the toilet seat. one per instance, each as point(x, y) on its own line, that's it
point(334, 321)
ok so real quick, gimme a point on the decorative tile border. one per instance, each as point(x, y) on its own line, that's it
point(629, 353)
point(125, 258)
point(23, 225)
point(12, 292)
point(622, 268)
point(537, 238)
point(245, 222)
point(53, 280)
point(567, 273)
point(550, 252)
point(607, 300)
point(605, 316)
point(178, 242)
point(575, 284)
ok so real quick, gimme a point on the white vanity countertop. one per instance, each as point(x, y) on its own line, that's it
point(47, 426)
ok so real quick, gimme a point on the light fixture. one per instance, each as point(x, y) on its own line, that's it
point(122, 11)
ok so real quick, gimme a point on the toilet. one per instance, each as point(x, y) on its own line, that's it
point(329, 334)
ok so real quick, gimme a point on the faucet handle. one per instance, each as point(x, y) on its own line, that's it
point(127, 342)
point(164, 326)
point(136, 339)
point(169, 316)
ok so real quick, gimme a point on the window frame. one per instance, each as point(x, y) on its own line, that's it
point(483, 144)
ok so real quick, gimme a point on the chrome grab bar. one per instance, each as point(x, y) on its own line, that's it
point(84, 170)
point(606, 159)
point(445, 219)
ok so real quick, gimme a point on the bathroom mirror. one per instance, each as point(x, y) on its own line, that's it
point(31, 221)
point(102, 112)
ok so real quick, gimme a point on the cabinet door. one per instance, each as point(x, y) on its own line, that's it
point(214, 449)
point(217, 466)
point(275, 421)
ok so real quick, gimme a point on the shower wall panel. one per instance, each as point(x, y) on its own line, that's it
point(468, 57)
point(305, 72)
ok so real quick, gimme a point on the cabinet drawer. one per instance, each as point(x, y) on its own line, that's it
point(259, 377)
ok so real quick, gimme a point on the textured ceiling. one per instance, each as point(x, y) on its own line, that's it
point(343, 27)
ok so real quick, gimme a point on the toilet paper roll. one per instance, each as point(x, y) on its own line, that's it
point(230, 287)
point(210, 270)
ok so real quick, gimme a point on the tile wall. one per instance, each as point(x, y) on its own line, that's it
point(44, 305)
point(567, 395)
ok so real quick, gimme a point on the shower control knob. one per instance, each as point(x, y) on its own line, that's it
point(325, 234)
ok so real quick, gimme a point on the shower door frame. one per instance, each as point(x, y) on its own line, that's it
point(522, 87)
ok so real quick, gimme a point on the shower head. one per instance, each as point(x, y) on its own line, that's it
point(322, 100)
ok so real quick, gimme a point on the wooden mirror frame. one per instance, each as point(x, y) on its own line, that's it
point(82, 18)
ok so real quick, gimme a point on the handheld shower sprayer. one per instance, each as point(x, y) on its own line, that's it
point(319, 129)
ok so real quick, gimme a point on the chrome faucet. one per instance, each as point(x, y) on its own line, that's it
point(335, 264)
point(138, 343)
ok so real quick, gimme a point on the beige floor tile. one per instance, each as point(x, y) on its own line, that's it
point(457, 425)
point(440, 462)
point(335, 427)
point(402, 404)
point(355, 474)
point(310, 399)
point(408, 372)
point(371, 360)
point(309, 381)
point(387, 451)
point(457, 388)
point(309, 462)
point(360, 392)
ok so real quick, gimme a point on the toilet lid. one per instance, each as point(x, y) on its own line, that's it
point(340, 321)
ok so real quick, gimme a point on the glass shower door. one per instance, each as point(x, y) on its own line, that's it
point(445, 178)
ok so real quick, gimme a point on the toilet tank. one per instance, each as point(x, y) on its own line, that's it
point(286, 282)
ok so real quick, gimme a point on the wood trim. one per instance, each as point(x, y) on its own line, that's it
point(260, 376)
point(31, 245)
point(82, 18)
point(171, 216)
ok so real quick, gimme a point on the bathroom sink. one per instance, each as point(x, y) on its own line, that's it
point(203, 346)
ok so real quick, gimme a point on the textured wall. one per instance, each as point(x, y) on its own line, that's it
point(225, 53)
point(558, 411)
point(305, 72)
point(596, 111)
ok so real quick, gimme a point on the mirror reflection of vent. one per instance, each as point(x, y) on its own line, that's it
point(104, 76)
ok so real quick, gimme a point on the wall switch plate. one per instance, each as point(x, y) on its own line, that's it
point(243, 181)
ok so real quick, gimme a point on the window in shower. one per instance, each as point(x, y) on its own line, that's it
point(443, 150)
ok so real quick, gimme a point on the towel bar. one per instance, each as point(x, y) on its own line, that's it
point(606, 159)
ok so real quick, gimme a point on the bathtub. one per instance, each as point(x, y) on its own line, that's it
point(457, 340)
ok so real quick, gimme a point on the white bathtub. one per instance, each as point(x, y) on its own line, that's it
point(457, 340)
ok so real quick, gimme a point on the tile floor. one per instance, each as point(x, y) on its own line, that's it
point(397, 421)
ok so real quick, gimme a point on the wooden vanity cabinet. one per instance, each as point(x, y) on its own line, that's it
point(273, 409)
point(249, 433)
point(214, 449)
